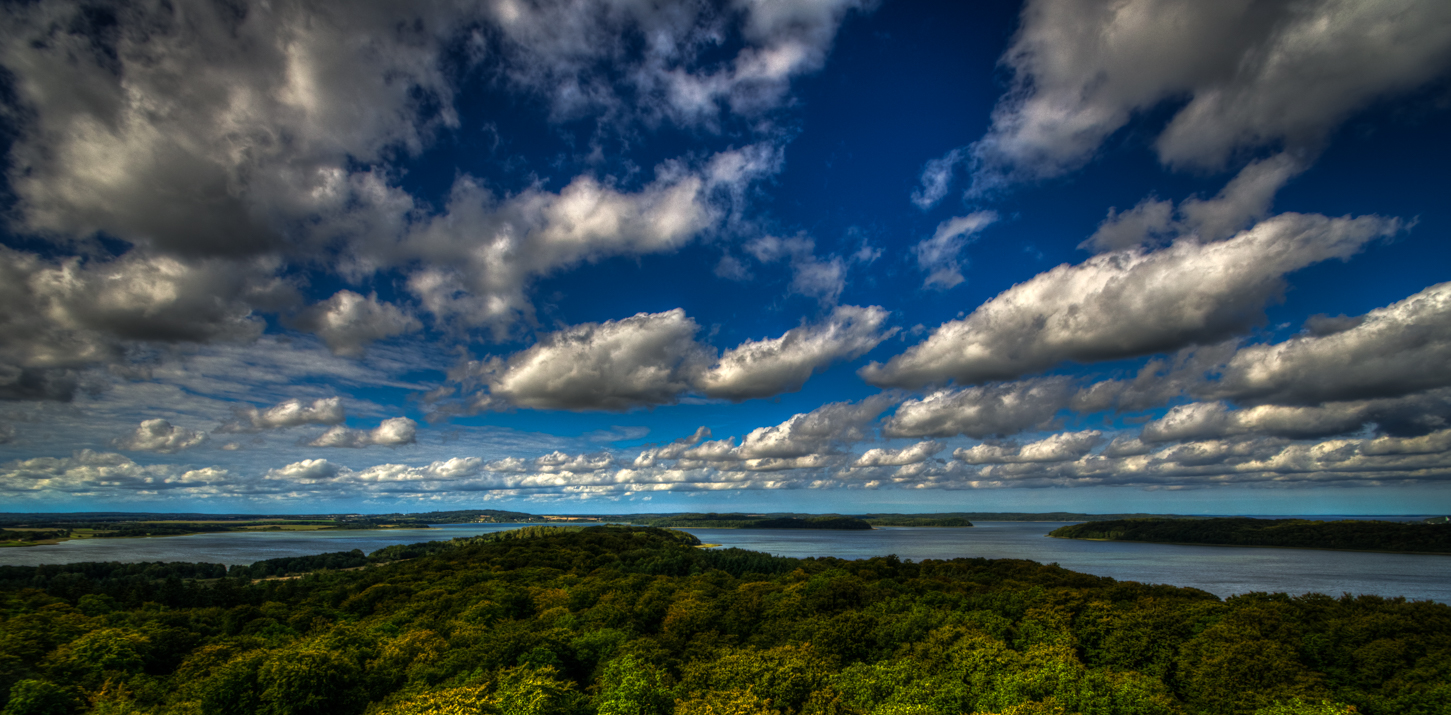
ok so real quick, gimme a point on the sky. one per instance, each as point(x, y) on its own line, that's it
point(611, 256)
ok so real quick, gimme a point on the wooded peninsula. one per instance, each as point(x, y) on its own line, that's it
point(1408, 537)
point(613, 620)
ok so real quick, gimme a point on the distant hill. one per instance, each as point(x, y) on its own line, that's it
point(1296, 533)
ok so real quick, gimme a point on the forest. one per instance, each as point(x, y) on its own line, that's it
point(611, 620)
point(1414, 537)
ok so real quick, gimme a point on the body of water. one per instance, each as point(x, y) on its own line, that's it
point(1221, 570)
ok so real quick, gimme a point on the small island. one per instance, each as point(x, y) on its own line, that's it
point(1401, 537)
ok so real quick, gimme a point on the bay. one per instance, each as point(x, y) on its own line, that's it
point(1221, 570)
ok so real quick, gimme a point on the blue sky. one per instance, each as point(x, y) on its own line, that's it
point(621, 256)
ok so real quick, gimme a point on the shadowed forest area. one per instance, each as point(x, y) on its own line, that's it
point(640, 621)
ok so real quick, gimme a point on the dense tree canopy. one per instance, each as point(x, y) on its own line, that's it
point(637, 621)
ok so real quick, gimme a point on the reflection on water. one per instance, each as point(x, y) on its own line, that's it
point(1220, 570)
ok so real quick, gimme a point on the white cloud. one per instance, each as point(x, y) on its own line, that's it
point(1061, 447)
point(647, 359)
point(938, 256)
point(761, 368)
point(392, 432)
point(1433, 443)
point(982, 411)
point(650, 456)
point(937, 178)
point(1211, 420)
point(159, 436)
point(88, 473)
point(289, 413)
point(347, 322)
point(305, 472)
point(881, 457)
point(812, 276)
point(577, 54)
point(1244, 199)
point(482, 253)
point(1128, 303)
point(654, 359)
point(818, 432)
point(1254, 74)
point(195, 132)
point(1396, 350)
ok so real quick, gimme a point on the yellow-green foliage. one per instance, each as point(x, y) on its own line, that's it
point(632, 621)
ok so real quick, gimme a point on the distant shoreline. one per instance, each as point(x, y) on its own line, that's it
point(1388, 537)
point(1252, 546)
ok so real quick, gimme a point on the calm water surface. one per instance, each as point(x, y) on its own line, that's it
point(1221, 570)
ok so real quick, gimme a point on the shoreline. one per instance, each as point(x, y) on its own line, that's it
point(1254, 546)
point(264, 530)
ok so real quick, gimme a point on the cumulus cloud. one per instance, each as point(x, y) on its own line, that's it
point(1061, 447)
point(75, 313)
point(1408, 415)
point(89, 472)
point(1064, 462)
point(761, 368)
point(883, 457)
point(391, 433)
point(654, 359)
point(218, 139)
point(482, 252)
point(1253, 74)
point(650, 456)
point(289, 413)
point(195, 129)
point(576, 53)
point(818, 432)
point(1125, 446)
point(1244, 199)
point(159, 436)
point(646, 359)
point(305, 472)
point(347, 322)
point(982, 411)
point(812, 276)
point(1396, 350)
point(1128, 303)
point(938, 256)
